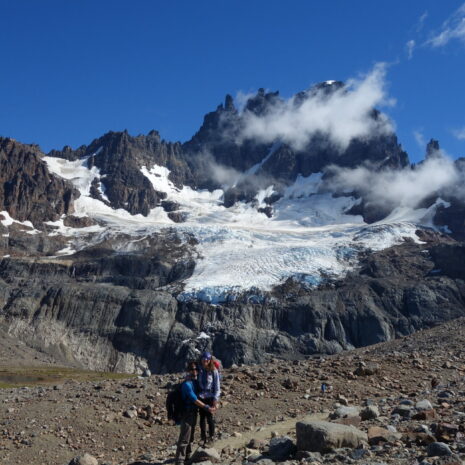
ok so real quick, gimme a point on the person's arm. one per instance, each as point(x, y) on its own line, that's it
point(206, 407)
point(189, 393)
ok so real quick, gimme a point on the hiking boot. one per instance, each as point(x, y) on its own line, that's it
point(209, 441)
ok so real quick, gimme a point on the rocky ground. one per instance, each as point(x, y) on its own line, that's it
point(406, 398)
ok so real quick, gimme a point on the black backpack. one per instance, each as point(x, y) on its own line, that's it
point(175, 404)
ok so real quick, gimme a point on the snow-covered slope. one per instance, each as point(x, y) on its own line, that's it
point(309, 237)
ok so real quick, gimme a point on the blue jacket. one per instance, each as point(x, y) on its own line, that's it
point(189, 390)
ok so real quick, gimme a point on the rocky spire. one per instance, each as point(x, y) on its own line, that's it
point(229, 104)
point(433, 150)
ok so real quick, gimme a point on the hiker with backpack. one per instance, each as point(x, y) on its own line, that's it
point(188, 416)
point(209, 393)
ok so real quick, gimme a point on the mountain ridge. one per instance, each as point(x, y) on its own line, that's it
point(264, 246)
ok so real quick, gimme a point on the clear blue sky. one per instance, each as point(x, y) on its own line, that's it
point(70, 70)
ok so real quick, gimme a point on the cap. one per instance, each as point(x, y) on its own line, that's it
point(206, 356)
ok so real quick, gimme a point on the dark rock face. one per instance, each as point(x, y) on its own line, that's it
point(118, 312)
point(452, 216)
point(432, 149)
point(219, 143)
point(28, 191)
point(119, 157)
point(220, 135)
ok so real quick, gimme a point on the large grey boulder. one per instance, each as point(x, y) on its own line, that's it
point(323, 436)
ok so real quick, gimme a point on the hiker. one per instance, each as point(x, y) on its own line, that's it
point(209, 393)
point(189, 390)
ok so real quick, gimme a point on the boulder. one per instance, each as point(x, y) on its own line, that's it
point(423, 405)
point(367, 369)
point(202, 455)
point(425, 415)
point(376, 434)
point(370, 412)
point(281, 448)
point(323, 436)
point(405, 411)
point(438, 449)
point(345, 412)
point(85, 459)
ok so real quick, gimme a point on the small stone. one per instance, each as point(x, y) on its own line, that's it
point(423, 405)
point(405, 411)
point(370, 412)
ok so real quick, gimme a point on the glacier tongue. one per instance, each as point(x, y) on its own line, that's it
point(309, 237)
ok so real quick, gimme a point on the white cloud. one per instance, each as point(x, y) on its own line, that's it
point(452, 28)
point(421, 21)
point(420, 138)
point(459, 133)
point(410, 47)
point(404, 188)
point(344, 114)
point(241, 99)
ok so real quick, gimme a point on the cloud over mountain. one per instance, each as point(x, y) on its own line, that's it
point(343, 114)
point(404, 188)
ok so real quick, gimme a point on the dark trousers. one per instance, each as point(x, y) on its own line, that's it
point(186, 436)
point(204, 418)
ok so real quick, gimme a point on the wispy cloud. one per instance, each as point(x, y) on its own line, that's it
point(453, 28)
point(459, 133)
point(420, 138)
point(392, 188)
point(421, 21)
point(410, 47)
point(343, 114)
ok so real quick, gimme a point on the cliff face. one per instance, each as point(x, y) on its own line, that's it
point(28, 191)
point(119, 158)
point(117, 312)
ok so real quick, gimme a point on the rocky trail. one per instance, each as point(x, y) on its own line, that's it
point(406, 399)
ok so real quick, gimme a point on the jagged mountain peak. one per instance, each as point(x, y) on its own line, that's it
point(147, 250)
point(28, 191)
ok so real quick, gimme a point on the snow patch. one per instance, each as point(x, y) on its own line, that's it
point(68, 250)
point(8, 221)
point(309, 238)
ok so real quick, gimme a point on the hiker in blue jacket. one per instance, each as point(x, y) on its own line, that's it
point(209, 393)
point(192, 403)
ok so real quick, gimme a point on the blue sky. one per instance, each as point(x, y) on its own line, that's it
point(72, 70)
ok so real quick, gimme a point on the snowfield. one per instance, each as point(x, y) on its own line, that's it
point(309, 237)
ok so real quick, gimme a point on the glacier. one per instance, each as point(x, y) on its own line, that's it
point(309, 238)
